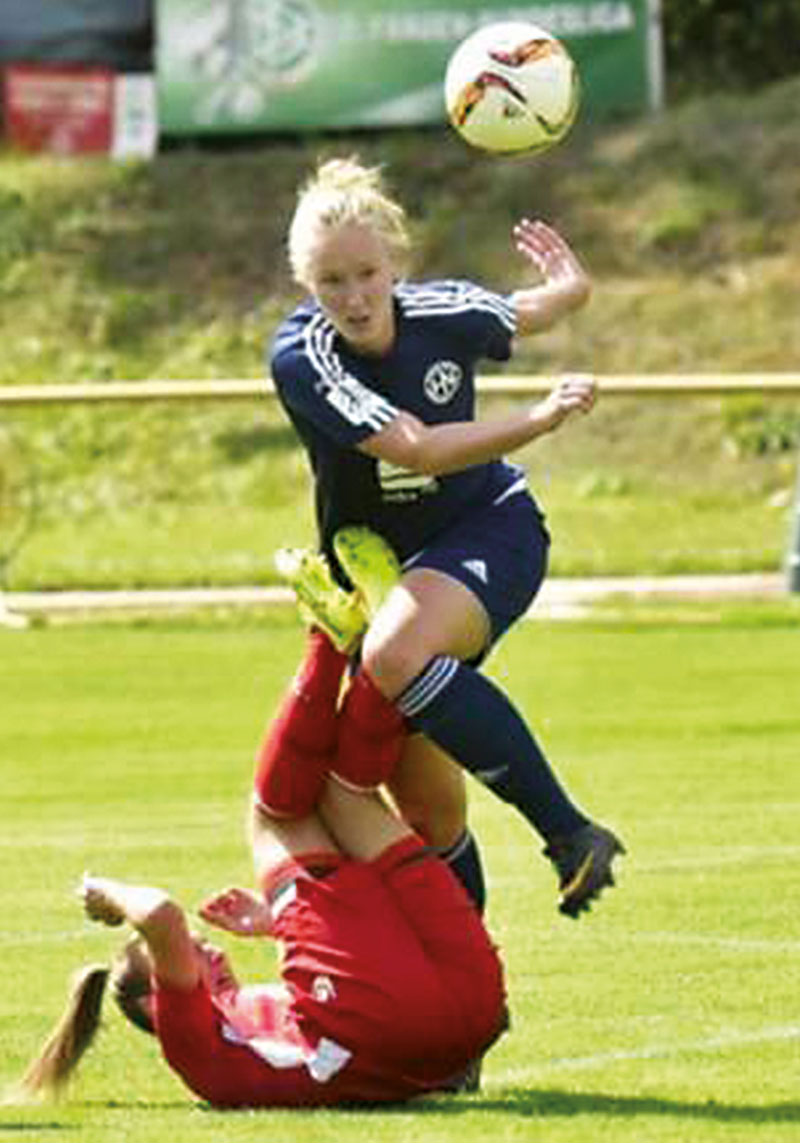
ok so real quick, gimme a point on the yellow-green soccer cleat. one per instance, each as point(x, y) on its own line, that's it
point(339, 613)
point(370, 563)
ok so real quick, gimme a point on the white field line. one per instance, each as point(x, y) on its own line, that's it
point(705, 860)
point(717, 941)
point(714, 858)
point(744, 945)
point(31, 938)
point(770, 1033)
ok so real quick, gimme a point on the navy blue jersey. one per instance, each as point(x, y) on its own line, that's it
point(337, 398)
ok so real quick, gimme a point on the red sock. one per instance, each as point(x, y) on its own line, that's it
point(296, 752)
point(371, 736)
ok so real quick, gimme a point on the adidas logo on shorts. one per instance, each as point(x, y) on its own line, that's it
point(478, 568)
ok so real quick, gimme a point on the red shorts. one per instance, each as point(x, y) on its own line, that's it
point(392, 961)
point(394, 988)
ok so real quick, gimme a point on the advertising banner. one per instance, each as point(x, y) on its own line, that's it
point(64, 109)
point(239, 66)
point(68, 109)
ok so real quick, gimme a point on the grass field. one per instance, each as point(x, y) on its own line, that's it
point(667, 1015)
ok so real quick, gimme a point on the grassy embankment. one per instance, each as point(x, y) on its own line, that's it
point(688, 223)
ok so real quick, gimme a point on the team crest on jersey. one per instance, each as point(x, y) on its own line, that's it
point(323, 989)
point(442, 381)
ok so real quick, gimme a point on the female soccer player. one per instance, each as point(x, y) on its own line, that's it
point(391, 986)
point(377, 375)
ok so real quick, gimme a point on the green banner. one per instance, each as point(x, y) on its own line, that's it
point(240, 66)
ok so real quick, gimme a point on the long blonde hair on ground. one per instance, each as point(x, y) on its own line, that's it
point(343, 191)
point(50, 1071)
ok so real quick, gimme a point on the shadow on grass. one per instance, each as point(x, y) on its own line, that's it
point(564, 1104)
point(21, 1126)
point(514, 1102)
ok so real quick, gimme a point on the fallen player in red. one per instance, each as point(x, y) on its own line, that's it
point(390, 985)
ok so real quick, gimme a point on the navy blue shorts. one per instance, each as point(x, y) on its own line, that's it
point(499, 553)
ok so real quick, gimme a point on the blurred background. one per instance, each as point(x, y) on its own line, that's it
point(150, 157)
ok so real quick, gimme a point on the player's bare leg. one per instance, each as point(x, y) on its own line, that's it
point(425, 615)
point(429, 790)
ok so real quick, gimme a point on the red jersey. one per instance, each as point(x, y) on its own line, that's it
point(392, 987)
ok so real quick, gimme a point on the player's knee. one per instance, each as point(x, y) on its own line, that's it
point(264, 822)
point(392, 663)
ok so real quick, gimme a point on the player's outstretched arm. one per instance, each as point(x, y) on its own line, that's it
point(450, 447)
point(113, 902)
point(159, 920)
point(564, 286)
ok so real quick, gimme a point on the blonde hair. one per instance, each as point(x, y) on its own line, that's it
point(74, 1033)
point(343, 191)
point(48, 1074)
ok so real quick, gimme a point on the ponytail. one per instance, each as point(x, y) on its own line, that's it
point(49, 1072)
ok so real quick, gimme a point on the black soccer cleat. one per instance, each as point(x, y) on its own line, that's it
point(583, 863)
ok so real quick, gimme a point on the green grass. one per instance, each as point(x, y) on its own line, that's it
point(178, 495)
point(177, 268)
point(668, 1014)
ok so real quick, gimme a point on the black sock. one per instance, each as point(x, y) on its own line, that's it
point(464, 858)
point(472, 720)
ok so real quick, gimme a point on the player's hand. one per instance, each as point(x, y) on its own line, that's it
point(547, 250)
point(564, 285)
point(238, 911)
point(97, 894)
point(575, 393)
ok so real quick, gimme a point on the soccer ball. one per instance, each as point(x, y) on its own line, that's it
point(511, 87)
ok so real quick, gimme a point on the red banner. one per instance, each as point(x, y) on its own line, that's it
point(63, 109)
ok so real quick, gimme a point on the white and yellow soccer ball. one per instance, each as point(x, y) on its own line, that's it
point(512, 87)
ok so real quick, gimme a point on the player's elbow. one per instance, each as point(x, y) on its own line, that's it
point(424, 461)
point(408, 444)
point(419, 452)
point(163, 919)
